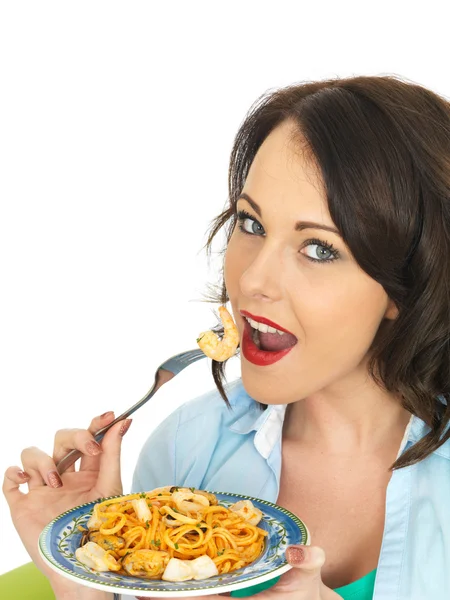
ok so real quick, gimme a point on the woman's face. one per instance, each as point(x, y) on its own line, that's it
point(287, 263)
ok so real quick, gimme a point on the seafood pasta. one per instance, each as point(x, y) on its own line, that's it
point(171, 533)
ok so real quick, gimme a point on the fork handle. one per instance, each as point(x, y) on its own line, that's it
point(71, 458)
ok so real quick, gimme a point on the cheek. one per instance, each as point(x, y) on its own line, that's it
point(343, 313)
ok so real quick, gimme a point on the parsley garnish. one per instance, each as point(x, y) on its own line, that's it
point(176, 546)
point(143, 495)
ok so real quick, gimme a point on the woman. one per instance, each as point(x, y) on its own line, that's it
point(339, 240)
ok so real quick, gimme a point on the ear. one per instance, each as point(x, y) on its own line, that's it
point(391, 311)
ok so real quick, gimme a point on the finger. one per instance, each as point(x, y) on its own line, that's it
point(92, 462)
point(74, 439)
point(109, 478)
point(82, 440)
point(41, 468)
point(305, 576)
point(99, 422)
point(14, 477)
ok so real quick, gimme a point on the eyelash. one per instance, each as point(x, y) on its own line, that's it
point(242, 215)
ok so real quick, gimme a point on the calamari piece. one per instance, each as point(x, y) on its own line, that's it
point(202, 567)
point(149, 564)
point(175, 514)
point(177, 570)
point(96, 558)
point(223, 349)
point(171, 522)
point(95, 522)
point(142, 510)
point(189, 502)
point(246, 510)
point(211, 497)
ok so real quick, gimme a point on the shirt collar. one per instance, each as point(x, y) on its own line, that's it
point(418, 429)
point(268, 426)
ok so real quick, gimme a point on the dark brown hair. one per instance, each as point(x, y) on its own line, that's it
point(382, 146)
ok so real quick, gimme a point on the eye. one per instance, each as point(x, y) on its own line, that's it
point(248, 224)
point(318, 251)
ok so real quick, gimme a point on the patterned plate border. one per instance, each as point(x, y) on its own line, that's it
point(284, 528)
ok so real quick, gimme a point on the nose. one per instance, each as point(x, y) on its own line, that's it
point(262, 277)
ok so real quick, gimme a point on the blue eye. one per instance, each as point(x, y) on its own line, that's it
point(248, 224)
point(317, 251)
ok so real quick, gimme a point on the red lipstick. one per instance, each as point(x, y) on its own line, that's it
point(255, 355)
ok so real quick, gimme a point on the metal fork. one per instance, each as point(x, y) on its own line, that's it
point(164, 373)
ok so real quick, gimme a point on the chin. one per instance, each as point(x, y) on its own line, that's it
point(268, 392)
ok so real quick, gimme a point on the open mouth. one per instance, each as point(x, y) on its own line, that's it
point(264, 348)
point(268, 338)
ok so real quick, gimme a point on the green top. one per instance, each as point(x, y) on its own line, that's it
point(361, 589)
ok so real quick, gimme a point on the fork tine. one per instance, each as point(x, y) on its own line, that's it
point(177, 363)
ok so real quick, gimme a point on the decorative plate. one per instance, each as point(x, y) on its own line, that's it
point(60, 538)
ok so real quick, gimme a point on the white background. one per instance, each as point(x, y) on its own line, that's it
point(116, 122)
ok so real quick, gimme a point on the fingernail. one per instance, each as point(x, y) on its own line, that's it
point(295, 555)
point(93, 448)
point(107, 414)
point(125, 427)
point(23, 475)
point(54, 480)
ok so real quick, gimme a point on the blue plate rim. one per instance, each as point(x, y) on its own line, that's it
point(183, 591)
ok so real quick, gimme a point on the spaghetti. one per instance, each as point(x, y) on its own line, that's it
point(171, 533)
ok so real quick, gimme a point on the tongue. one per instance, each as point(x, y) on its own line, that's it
point(273, 342)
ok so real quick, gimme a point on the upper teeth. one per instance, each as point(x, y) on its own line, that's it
point(263, 327)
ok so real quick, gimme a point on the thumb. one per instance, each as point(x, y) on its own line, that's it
point(109, 480)
point(307, 562)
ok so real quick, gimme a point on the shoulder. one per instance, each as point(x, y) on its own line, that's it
point(201, 418)
point(189, 436)
point(213, 405)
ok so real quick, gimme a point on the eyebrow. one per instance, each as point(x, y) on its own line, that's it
point(299, 226)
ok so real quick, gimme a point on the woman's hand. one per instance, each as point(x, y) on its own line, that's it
point(50, 495)
point(302, 582)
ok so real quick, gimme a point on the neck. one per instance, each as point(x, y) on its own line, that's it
point(352, 415)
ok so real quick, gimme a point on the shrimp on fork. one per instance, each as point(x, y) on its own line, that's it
point(220, 349)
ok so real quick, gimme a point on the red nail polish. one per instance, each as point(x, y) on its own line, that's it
point(54, 480)
point(295, 555)
point(23, 475)
point(125, 427)
point(93, 448)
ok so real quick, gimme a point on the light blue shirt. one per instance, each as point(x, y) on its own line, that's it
point(204, 444)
